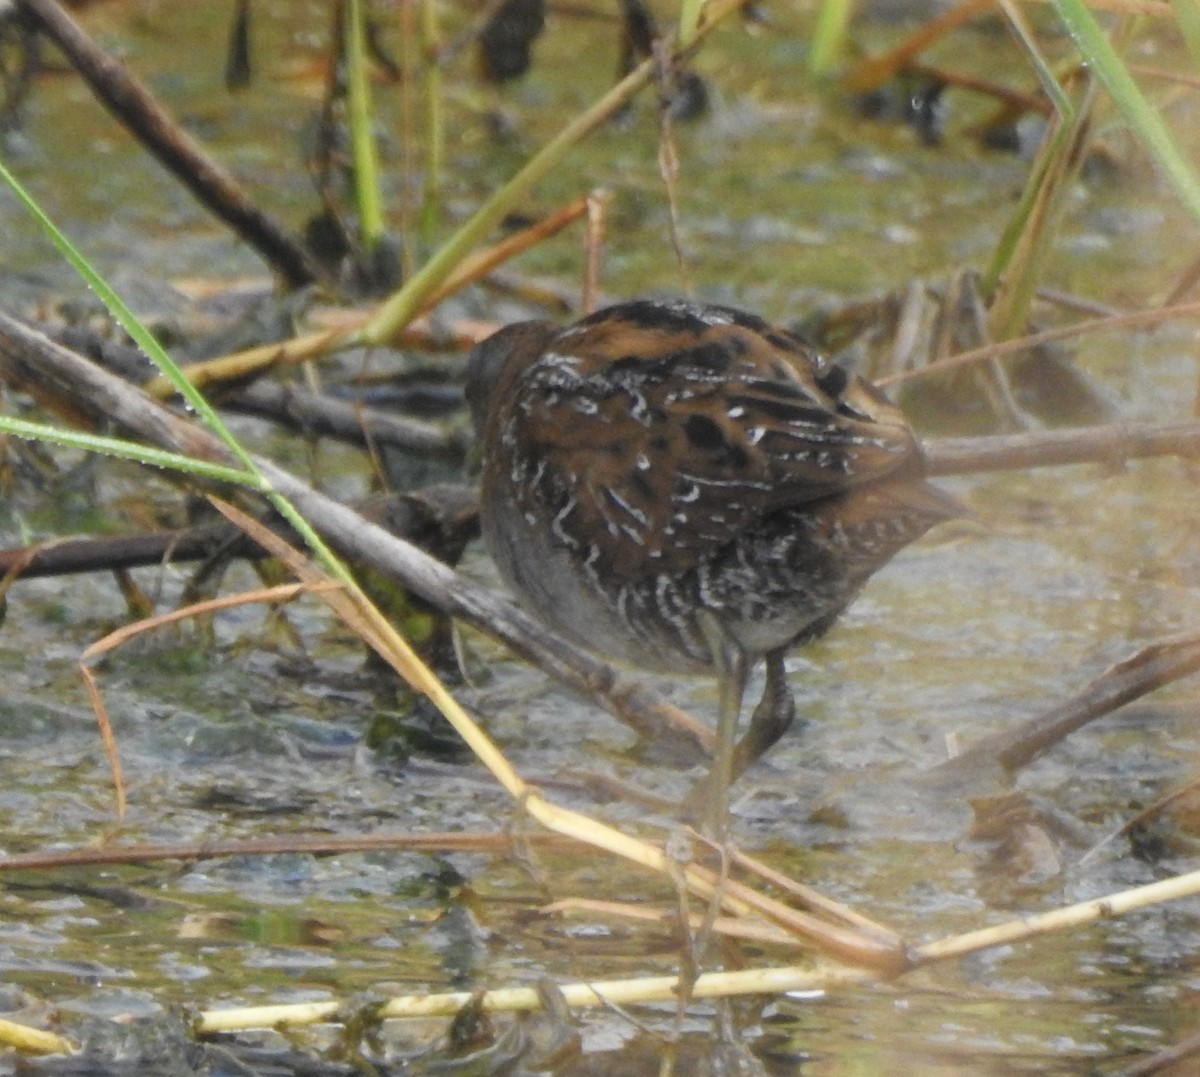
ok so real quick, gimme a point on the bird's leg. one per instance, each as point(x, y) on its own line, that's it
point(730, 662)
point(771, 718)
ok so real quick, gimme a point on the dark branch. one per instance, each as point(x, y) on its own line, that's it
point(133, 105)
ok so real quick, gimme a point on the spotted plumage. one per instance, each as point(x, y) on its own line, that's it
point(660, 459)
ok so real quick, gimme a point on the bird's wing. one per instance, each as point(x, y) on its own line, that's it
point(648, 451)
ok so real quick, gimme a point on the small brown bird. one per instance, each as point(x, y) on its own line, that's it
point(687, 488)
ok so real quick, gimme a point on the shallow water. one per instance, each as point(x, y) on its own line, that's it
point(789, 202)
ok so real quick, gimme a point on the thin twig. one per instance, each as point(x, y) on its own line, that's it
point(1111, 444)
point(1165, 1059)
point(1150, 668)
point(1142, 319)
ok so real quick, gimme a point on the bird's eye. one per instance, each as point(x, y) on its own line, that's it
point(832, 378)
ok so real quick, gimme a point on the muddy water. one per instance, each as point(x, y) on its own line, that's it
point(788, 202)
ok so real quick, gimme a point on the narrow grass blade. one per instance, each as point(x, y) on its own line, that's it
point(362, 138)
point(1102, 58)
